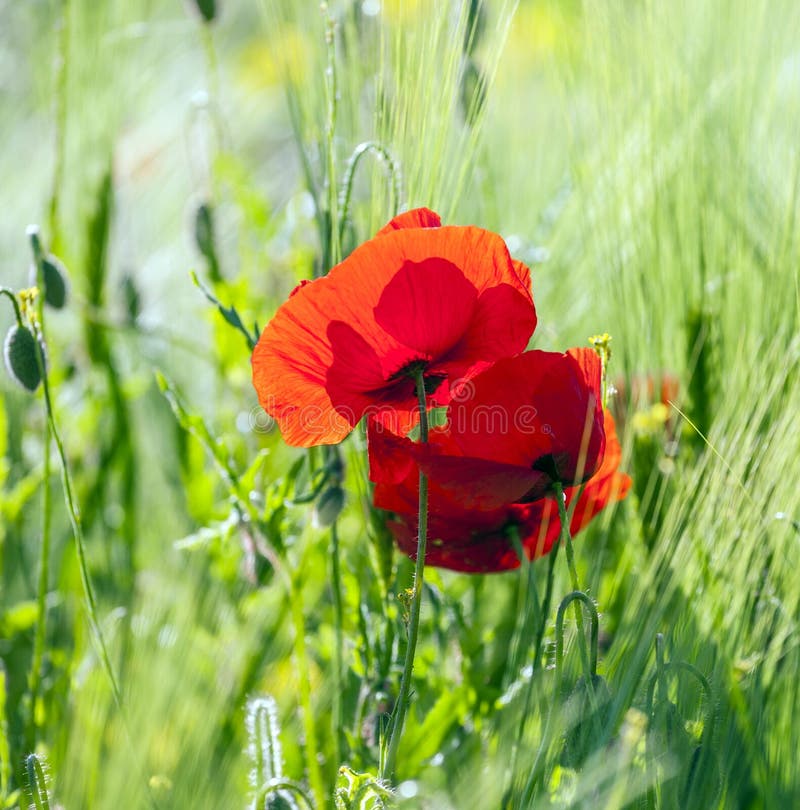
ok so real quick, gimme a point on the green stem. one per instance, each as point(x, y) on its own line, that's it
point(331, 90)
point(527, 602)
point(383, 154)
point(419, 573)
point(661, 676)
point(537, 658)
point(527, 606)
point(303, 675)
point(62, 80)
point(35, 676)
point(566, 539)
point(575, 596)
point(286, 785)
point(215, 146)
point(77, 533)
point(15, 303)
point(5, 748)
point(338, 654)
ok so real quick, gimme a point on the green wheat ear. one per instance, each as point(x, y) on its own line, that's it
point(265, 746)
point(37, 782)
point(271, 789)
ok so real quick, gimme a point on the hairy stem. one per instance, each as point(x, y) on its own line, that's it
point(416, 602)
point(338, 650)
point(566, 539)
point(303, 674)
point(35, 675)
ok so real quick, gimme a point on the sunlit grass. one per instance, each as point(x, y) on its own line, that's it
point(641, 157)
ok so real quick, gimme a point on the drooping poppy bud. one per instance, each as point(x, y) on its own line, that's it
point(588, 708)
point(207, 9)
point(55, 282)
point(19, 352)
point(328, 506)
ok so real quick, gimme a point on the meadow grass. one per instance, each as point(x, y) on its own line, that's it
point(640, 156)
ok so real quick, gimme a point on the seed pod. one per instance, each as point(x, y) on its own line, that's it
point(133, 300)
point(588, 709)
point(668, 733)
point(19, 352)
point(281, 800)
point(702, 782)
point(204, 230)
point(54, 280)
point(204, 239)
point(329, 506)
point(207, 8)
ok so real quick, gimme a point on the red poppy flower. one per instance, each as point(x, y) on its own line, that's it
point(450, 299)
point(512, 432)
point(475, 541)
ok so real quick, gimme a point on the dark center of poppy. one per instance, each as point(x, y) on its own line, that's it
point(410, 371)
point(547, 464)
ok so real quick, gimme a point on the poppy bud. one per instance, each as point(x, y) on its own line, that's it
point(587, 707)
point(207, 9)
point(204, 229)
point(54, 281)
point(19, 352)
point(668, 732)
point(281, 800)
point(701, 777)
point(329, 506)
point(204, 238)
point(133, 300)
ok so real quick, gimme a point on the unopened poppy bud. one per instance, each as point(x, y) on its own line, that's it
point(668, 732)
point(54, 280)
point(588, 706)
point(329, 506)
point(133, 301)
point(701, 772)
point(281, 800)
point(204, 239)
point(19, 352)
point(204, 230)
point(207, 9)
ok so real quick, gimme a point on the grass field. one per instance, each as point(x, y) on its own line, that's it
point(189, 626)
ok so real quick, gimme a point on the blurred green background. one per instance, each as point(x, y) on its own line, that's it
point(640, 156)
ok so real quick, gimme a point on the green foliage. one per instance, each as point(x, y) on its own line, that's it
point(642, 158)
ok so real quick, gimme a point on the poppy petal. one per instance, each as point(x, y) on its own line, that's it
point(502, 413)
point(426, 307)
point(340, 344)
point(606, 486)
point(502, 317)
point(478, 483)
point(415, 218)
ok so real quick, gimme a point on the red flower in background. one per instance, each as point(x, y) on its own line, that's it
point(477, 541)
point(512, 432)
point(450, 299)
